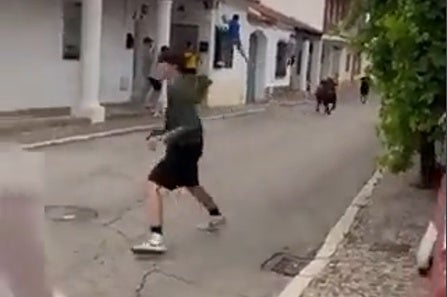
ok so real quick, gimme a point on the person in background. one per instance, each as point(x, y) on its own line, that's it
point(192, 59)
point(234, 32)
point(156, 77)
point(292, 49)
point(149, 59)
point(364, 89)
point(183, 136)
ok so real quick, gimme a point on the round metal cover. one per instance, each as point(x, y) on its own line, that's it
point(69, 213)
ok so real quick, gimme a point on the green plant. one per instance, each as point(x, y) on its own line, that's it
point(405, 41)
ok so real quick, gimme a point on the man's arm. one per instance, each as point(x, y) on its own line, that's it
point(225, 20)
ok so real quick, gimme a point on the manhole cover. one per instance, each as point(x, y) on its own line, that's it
point(285, 264)
point(392, 248)
point(67, 213)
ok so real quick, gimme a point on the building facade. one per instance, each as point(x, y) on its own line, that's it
point(84, 53)
point(339, 59)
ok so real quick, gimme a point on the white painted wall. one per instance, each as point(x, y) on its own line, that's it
point(274, 35)
point(116, 61)
point(33, 73)
point(230, 85)
point(308, 11)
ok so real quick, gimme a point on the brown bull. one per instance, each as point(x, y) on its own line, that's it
point(326, 95)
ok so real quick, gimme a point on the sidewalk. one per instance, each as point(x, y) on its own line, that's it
point(32, 126)
point(43, 125)
point(377, 257)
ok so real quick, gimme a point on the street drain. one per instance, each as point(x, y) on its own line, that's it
point(285, 264)
point(391, 248)
point(69, 213)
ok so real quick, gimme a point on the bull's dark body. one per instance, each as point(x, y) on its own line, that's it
point(326, 95)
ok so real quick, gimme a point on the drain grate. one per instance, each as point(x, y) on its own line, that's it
point(391, 248)
point(285, 264)
point(69, 213)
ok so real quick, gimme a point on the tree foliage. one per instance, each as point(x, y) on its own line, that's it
point(405, 41)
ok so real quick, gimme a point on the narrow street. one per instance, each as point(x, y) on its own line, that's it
point(283, 178)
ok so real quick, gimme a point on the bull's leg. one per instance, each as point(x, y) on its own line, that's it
point(327, 109)
point(317, 108)
point(334, 104)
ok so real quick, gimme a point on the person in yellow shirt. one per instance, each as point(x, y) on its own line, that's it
point(192, 59)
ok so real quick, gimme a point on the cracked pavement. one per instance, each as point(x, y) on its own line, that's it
point(283, 178)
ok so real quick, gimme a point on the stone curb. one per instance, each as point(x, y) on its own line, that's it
point(335, 236)
point(117, 132)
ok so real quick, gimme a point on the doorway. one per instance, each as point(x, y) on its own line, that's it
point(256, 73)
point(181, 34)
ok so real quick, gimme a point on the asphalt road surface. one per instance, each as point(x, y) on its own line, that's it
point(282, 178)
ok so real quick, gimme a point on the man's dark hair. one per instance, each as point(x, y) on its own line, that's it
point(175, 59)
point(147, 40)
point(188, 44)
point(164, 50)
point(236, 17)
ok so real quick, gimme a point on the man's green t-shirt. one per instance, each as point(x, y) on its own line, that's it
point(181, 113)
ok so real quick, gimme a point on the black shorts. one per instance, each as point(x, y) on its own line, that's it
point(191, 71)
point(155, 83)
point(179, 167)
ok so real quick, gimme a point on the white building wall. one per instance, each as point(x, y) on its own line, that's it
point(230, 85)
point(310, 12)
point(33, 73)
point(116, 60)
point(275, 35)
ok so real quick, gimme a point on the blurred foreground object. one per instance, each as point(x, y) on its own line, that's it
point(431, 256)
point(22, 254)
point(438, 273)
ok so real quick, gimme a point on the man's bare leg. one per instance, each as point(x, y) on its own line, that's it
point(216, 218)
point(155, 244)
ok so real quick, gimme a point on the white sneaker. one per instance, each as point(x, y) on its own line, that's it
point(57, 294)
point(154, 245)
point(214, 224)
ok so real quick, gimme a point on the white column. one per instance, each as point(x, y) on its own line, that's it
point(294, 77)
point(331, 57)
point(90, 62)
point(342, 63)
point(164, 35)
point(304, 65)
point(315, 73)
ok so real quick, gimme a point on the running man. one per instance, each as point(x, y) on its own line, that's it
point(156, 77)
point(364, 89)
point(234, 32)
point(179, 167)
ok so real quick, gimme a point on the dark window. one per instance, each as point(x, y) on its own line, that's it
point(281, 59)
point(298, 62)
point(224, 49)
point(71, 36)
point(348, 62)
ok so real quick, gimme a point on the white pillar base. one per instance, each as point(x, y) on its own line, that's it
point(305, 55)
point(88, 106)
point(316, 64)
point(95, 113)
